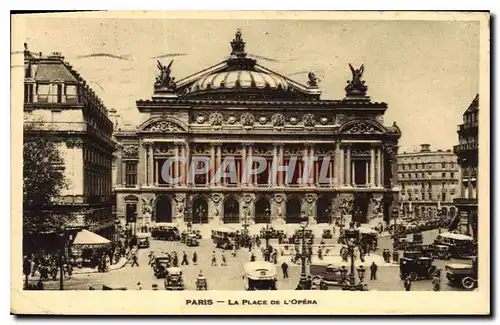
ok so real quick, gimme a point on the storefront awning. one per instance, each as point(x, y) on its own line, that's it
point(88, 238)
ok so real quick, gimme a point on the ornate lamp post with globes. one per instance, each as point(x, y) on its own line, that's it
point(303, 254)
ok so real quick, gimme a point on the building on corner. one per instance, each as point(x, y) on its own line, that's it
point(429, 182)
point(467, 153)
point(59, 104)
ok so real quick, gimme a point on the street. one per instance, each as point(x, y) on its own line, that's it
point(230, 277)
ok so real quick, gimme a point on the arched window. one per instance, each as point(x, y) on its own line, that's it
point(323, 210)
point(231, 211)
point(200, 211)
point(163, 211)
point(293, 210)
point(262, 211)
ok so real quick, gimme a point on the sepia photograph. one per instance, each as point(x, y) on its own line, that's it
point(211, 156)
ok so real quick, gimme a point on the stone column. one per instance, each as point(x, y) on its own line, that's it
point(280, 174)
point(253, 179)
point(244, 172)
point(157, 172)
point(212, 163)
point(151, 165)
point(120, 180)
point(314, 177)
point(372, 166)
point(142, 165)
point(187, 156)
point(353, 173)
point(348, 166)
point(176, 163)
point(219, 160)
point(367, 172)
point(274, 165)
point(302, 171)
point(379, 168)
point(183, 165)
point(339, 165)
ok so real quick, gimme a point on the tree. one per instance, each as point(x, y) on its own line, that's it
point(43, 181)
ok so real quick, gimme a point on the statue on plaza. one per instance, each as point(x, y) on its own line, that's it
point(356, 86)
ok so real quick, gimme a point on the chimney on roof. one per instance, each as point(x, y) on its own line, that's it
point(425, 147)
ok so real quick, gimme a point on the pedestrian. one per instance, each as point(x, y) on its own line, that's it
point(139, 286)
point(407, 284)
point(223, 260)
point(284, 268)
point(195, 258)
point(234, 251)
point(214, 259)
point(134, 260)
point(184, 259)
point(373, 271)
point(252, 257)
point(320, 253)
point(384, 255)
point(436, 281)
point(176, 260)
point(154, 287)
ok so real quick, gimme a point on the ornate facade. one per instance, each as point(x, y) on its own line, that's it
point(59, 104)
point(467, 152)
point(429, 182)
point(240, 109)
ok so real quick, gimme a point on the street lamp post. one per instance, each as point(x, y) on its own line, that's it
point(352, 239)
point(62, 236)
point(303, 275)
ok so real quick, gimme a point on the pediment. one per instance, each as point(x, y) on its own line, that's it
point(362, 127)
point(163, 125)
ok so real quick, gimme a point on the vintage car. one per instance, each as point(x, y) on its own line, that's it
point(160, 266)
point(418, 268)
point(464, 275)
point(174, 280)
point(400, 243)
point(368, 236)
point(327, 234)
point(184, 235)
point(442, 252)
point(460, 246)
point(224, 237)
point(201, 283)
point(192, 240)
point(260, 276)
point(197, 234)
point(412, 255)
point(328, 273)
point(165, 231)
point(418, 237)
point(142, 240)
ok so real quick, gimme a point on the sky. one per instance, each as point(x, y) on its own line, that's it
point(426, 71)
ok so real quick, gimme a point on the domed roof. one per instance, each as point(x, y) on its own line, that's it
point(239, 78)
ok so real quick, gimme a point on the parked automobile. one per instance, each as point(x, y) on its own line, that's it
point(224, 237)
point(142, 240)
point(166, 231)
point(174, 280)
point(328, 273)
point(260, 276)
point(160, 266)
point(192, 240)
point(418, 268)
point(460, 246)
point(463, 275)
